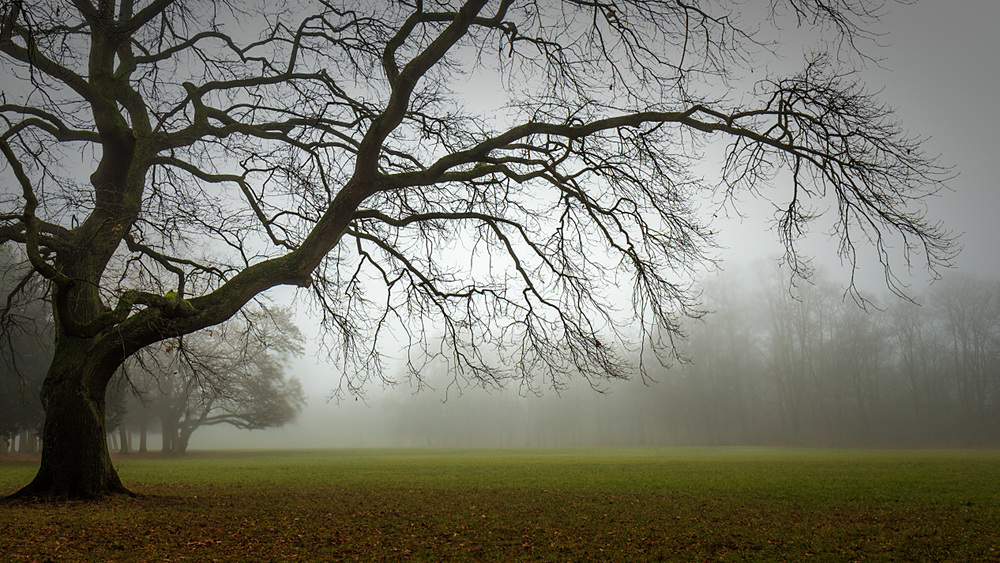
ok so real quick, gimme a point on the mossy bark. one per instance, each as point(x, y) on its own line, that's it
point(75, 461)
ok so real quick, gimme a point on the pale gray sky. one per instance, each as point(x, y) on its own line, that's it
point(941, 73)
point(944, 78)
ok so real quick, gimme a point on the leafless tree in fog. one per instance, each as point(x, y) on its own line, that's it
point(232, 374)
point(970, 312)
point(167, 161)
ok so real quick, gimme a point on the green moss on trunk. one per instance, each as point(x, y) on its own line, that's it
point(75, 460)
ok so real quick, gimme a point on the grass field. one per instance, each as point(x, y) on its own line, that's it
point(607, 504)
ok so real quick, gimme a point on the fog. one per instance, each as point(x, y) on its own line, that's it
point(855, 382)
point(772, 365)
point(774, 362)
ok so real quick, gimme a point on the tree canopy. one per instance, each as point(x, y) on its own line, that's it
point(232, 374)
point(171, 160)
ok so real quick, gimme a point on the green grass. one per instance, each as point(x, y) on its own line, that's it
point(617, 504)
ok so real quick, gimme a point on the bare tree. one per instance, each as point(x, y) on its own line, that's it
point(234, 373)
point(726, 372)
point(969, 312)
point(173, 159)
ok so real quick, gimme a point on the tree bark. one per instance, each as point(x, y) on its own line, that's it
point(123, 438)
point(75, 460)
point(180, 444)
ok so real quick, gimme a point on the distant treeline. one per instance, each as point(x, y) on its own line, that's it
point(809, 366)
point(771, 364)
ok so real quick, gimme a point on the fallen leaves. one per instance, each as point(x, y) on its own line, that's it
point(311, 520)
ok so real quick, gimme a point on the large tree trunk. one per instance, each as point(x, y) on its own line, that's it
point(75, 459)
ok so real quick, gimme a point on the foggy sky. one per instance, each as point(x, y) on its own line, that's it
point(941, 73)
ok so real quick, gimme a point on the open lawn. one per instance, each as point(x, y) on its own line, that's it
point(602, 504)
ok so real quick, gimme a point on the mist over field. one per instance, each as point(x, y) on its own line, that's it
point(771, 365)
point(499, 280)
point(776, 361)
point(895, 373)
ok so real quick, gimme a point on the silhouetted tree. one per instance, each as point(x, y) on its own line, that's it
point(921, 365)
point(116, 407)
point(338, 146)
point(859, 353)
point(840, 374)
point(234, 373)
point(25, 350)
point(969, 312)
point(724, 380)
point(768, 364)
